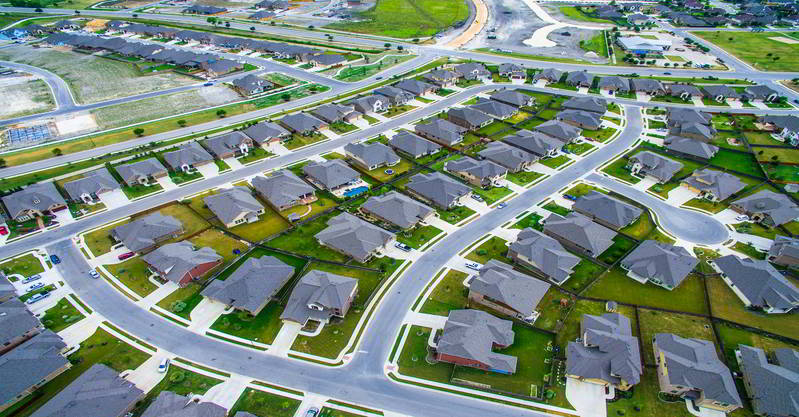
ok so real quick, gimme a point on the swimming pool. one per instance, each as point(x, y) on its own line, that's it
point(356, 191)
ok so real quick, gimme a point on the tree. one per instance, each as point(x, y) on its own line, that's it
point(252, 28)
point(310, 27)
point(285, 96)
point(138, 131)
point(387, 45)
point(181, 123)
point(39, 10)
point(2, 163)
point(415, 40)
point(77, 11)
point(57, 152)
point(211, 20)
point(399, 47)
point(221, 113)
point(135, 15)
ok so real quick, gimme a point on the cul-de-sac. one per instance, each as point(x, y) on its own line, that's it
point(399, 208)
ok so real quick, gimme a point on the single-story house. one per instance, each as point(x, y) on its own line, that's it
point(187, 157)
point(468, 118)
point(229, 145)
point(354, 237)
point(412, 144)
point(606, 210)
point(483, 173)
point(758, 284)
point(284, 190)
point(543, 254)
point(509, 157)
point(146, 232)
point(441, 131)
point(713, 185)
point(331, 175)
point(302, 123)
point(770, 386)
point(88, 188)
point(469, 338)
point(265, 133)
point(252, 285)
point(397, 209)
point(767, 208)
point(371, 155)
point(656, 166)
point(181, 262)
point(249, 85)
point(438, 189)
point(33, 201)
point(320, 296)
point(234, 206)
point(536, 143)
point(500, 288)
point(141, 172)
point(659, 263)
point(578, 233)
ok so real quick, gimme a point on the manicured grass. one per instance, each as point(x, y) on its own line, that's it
point(555, 162)
point(645, 397)
point(532, 220)
point(575, 14)
point(585, 272)
point(615, 285)
point(380, 174)
point(262, 328)
point(449, 294)
point(653, 322)
point(571, 325)
point(642, 227)
point(706, 205)
point(29, 294)
point(596, 44)
point(782, 172)
point(721, 140)
point(556, 208)
point(734, 336)
point(99, 241)
point(784, 155)
point(223, 244)
point(495, 127)
point(551, 308)
point(298, 141)
point(192, 223)
point(179, 177)
point(523, 178)
point(601, 135)
point(749, 250)
point(301, 240)
point(133, 273)
point(419, 236)
point(179, 380)
point(664, 189)
point(405, 19)
point(270, 223)
point(621, 246)
point(321, 204)
point(492, 194)
point(256, 154)
point(736, 161)
point(183, 300)
point(750, 47)
point(61, 316)
point(761, 138)
point(579, 148)
point(265, 404)
point(137, 191)
point(330, 412)
point(412, 358)
point(455, 215)
point(618, 169)
point(24, 265)
point(493, 248)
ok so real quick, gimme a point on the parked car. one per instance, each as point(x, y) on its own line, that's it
point(125, 255)
point(666, 73)
point(35, 286)
point(31, 278)
point(473, 265)
point(208, 84)
point(312, 412)
point(502, 205)
point(402, 247)
point(55, 260)
point(569, 197)
point(94, 274)
point(163, 366)
point(476, 197)
point(3, 230)
point(38, 297)
point(742, 218)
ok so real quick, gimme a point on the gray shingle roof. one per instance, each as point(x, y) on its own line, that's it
point(518, 291)
point(252, 284)
point(608, 352)
point(495, 109)
point(759, 282)
point(691, 147)
point(415, 86)
point(472, 334)
point(323, 289)
point(659, 261)
point(92, 182)
point(30, 363)
point(784, 246)
point(99, 391)
point(775, 386)
point(438, 188)
point(442, 130)
point(608, 209)
point(512, 97)
point(169, 404)
point(581, 78)
point(251, 82)
point(580, 230)
point(536, 143)
point(546, 254)
point(591, 104)
point(507, 156)
point(40, 196)
point(791, 123)
point(693, 129)
point(778, 207)
point(229, 142)
point(15, 320)
point(586, 119)
point(559, 130)
point(646, 85)
point(146, 168)
point(6, 288)
point(472, 69)
point(761, 91)
point(331, 174)
point(549, 74)
point(372, 154)
point(332, 112)
point(680, 89)
point(483, 170)
point(145, 231)
point(301, 122)
point(677, 116)
point(615, 83)
point(281, 188)
point(720, 90)
point(262, 132)
point(400, 210)
point(177, 259)
point(230, 204)
point(413, 144)
point(693, 363)
point(721, 184)
point(657, 166)
point(470, 115)
point(509, 67)
point(396, 95)
point(355, 237)
point(188, 154)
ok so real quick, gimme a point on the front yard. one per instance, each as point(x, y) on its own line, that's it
point(133, 273)
point(494, 248)
point(419, 236)
point(24, 265)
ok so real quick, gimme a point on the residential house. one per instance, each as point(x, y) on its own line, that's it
point(482, 173)
point(659, 263)
point(578, 233)
point(219, 67)
point(564, 132)
point(690, 148)
point(469, 338)
point(648, 163)
point(17, 324)
point(187, 157)
point(543, 254)
point(141, 172)
point(638, 19)
point(273, 5)
point(396, 96)
point(758, 284)
point(88, 188)
point(511, 158)
point(720, 93)
point(416, 87)
point(146, 232)
point(284, 190)
point(606, 210)
point(265, 133)
point(784, 251)
point(262, 15)
point(234, 206)
point(767, 208)
point(770, 386)
point(332, 175)
point(371, 155)
point(472, 71)
point(170, 404)
point(581, 119)
point(397, 209)
point(608, 12)
point(647, 86)
point(643, 46)
point(685, 19)
point(683, 91)
point(354, 237)
point(762, 93)
point(468, 118)
point(441, 77)
point(412, 144)
point(229, 145)
point(580, 79)
point(536, 143)
point(513, 98)
point(786, 128)
point(588, 104)
point(181, 262)
point(327, 60)
point(320, 296)
point(550, 75)
point(713, 185)
point(495, 109)
point(614, 84)
point(35, 200)
point(690, 123)
point(252, 285)
point(302, 123)
point(335, 113)
point(441, 131)
point(500, 288)
point(512, 71)
point(204, 10)
point(249, 85)
point(438, 189)
point(29, 366)
point(371, 104)
point(98, 391)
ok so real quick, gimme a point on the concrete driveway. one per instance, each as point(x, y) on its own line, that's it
point(208, 170)
point(114, 198)
point(587, 398)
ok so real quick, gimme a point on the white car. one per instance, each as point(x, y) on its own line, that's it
point(35, 286)
point(402, 247)
point(473, 265)
point(31, 278)
point(742, 218)
point(94, 274)
point(163, 366)
point(38, 297)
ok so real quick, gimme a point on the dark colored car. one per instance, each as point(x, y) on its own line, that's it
point(55, 259)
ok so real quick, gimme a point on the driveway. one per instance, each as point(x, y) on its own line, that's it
point(587, 398)
point(167, 183)
point(208, 170)
point(114, 198)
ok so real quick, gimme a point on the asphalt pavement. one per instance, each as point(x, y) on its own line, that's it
point(63, 96)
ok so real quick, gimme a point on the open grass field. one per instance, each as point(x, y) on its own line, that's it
point(573, 13)
point(361, 72)
point(596, 44)
point(91, 78)
point(223, 244)
point(270, 223)
point(407, 18)
point(24, 265)
point(689, 296)
point(263, 403)
point(758, 49)
point(653, 322)
point(24, 98)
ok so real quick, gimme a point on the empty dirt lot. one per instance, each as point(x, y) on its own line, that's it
point(24, 96)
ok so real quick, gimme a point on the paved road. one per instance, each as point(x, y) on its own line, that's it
point(63, 97)
point(688, 225)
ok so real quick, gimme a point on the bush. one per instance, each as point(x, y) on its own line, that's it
point(178, 306)
point(177, 377)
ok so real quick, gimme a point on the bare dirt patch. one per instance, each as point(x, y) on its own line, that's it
point(25, 97)
point(783, 39)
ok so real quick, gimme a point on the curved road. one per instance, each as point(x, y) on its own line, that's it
point(63, 96)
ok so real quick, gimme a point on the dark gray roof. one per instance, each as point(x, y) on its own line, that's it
point(471, 115)
point(592, 104)
point(301, 122)
point(328, 59)
point(395, 94)
point(332, 112)
point(251, 82)
point(252, 284)
point(677, 116)
point(608, 350)
point(546, 254)
point(586, 119)
point(372, 154)
point(398, 209)
point(693, 129)
point(608, 209)
point(438, 188)
point(92, 182)
point(761, 91)
point(281, 188)
point(169, 404)
point(6, 287)
point(231, 203)
point(472, 68)
point(580, 78)
point(30, 363)
point(680, 89)
point(534, 142)
point(472, 334)
point(370, 103)
point(322, 289)
point(791, 123)
point(187, 154)
point(145, 168)
point(501, 283)
point(759, 282)
point(657, 166)
point(40, 196)
point(145, 231)
point(355, 237)
point(691, 147)
point(507, 67)
point(226, 143)
point(693, 363)
point(720, 184)
point(443, 130)
point(512, 97)
point(331, 174)
point(495, 109)
point(615, 82)
point(507, 156)
point(264, 131)
point(99, 391)
point(659, 261)
point(646, 85)
point(482, 170)
point(177, 259)
point(778, 206)
point(413, 144)
point(15, 320)
point(580, 230)
point(550, 74)
point(774, 386)
point(720, 90)
point(784, 246)
point(559, 130)
point(415, 86)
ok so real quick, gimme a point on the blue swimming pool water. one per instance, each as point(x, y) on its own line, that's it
point(356, 191)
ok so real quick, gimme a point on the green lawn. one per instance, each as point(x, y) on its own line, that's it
point(455, 215)
point(585, 272)
point(407, 19)
point(493, 248)
point(61, 316)
point(270, 223)
point(552, 309)
point(615, 285)
point(183, 300)
point(761, 138)
point(380, 174)
point(179, 380)
point(24, 265)
point(133, 273)
point(412, 359)
point(556, 208)
point(532, 220)
point(321, 204)
point(601, 135)
point(645, 397)
point(642, 227)
point(492, 194)
point(99, 241)
point(301, 240)
point(223, 244)
point(555, 162)
point(192, 223)
point(137, 191)
point(263, 403)
point(736, 161)
point(418, 236)
point(574, 13)
point(750, 47)
point(579, 148)
point(725, 304)
point(621, 246)
point(523, 178)
point(596, 44)
point(683, 325)
point(571, 325)
point(449, 294)
point(618, 169)
point(784, 155)
point(258, 153)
